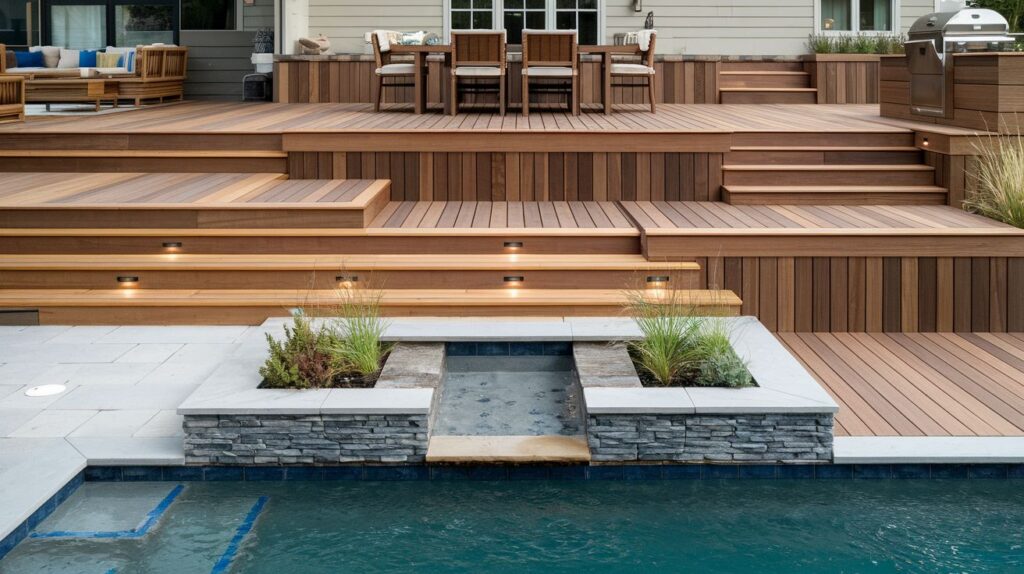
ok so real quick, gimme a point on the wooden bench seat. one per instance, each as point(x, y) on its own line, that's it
point(227, 306)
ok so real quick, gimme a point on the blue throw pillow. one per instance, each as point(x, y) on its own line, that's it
point(87, 59)
point(30, 59)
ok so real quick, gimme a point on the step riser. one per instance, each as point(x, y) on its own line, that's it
point(846, 139)
point(327, 279)
point(767, 81)
point(762, 66)
point(314, 245)
point(768, 97)
point(784, 178)
point(831, 198)
point(770, 157)
point(117, 164)
point(269, 218)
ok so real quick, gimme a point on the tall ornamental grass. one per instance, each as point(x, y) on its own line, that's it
point(997, 189)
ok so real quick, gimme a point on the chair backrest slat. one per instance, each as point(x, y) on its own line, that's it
point(549, 48)
point(380, 56)
point(478, 48)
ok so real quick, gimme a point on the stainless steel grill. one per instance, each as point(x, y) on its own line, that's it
point(931, 41)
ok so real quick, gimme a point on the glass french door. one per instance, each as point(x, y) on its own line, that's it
point(95, 24)
point(19, 23)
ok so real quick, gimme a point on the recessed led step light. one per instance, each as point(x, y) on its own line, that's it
point(45, 390)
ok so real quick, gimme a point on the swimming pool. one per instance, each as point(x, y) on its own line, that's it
point(550, 526)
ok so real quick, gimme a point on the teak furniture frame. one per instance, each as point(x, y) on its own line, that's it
point(646, 59)
point(551, 49)
point(476, 49)
point(12, 98)
point(381, 58)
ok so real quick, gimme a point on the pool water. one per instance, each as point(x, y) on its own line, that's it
point(928, 526)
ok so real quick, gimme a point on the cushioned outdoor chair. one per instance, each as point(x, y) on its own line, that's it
point(636, 71)
point(388, 74)
point(478, 59)
point(548, 55)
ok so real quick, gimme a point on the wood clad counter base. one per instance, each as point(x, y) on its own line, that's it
point(987, 92)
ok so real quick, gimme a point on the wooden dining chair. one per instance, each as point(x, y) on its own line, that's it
point(478, 59)
point(388, 74)
point(551, 54)
point(632, 71)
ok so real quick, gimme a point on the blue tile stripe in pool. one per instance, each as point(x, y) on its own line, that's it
point(151, 518)
point(507, 349)
point(558, 472)
point(224, 563)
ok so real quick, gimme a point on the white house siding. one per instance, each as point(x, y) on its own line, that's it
point(346, 21)
point(259, 15)
point(704, 27)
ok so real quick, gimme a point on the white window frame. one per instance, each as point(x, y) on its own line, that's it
point(894, 17)
point(498, 17)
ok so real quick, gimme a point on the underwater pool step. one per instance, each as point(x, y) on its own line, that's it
point(516, 449)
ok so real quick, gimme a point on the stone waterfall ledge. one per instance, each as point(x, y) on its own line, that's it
point(788, 417)
point(230, 421)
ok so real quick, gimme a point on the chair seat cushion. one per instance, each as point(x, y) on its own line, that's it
point(478, 71)
point(396, 70)
point(631, 70)
point(549, 71)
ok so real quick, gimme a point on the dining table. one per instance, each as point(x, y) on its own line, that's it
point(420, 52)
point(605, 53)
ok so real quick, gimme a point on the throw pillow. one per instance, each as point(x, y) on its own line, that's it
point(29, 59)
point(68, 59)
point(87, 59)
point(104, 60)
point(51, 55)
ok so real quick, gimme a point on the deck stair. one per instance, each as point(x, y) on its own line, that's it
point(866, 174)
point(765, 83)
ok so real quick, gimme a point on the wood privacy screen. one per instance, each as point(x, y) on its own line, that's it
point(875, 293)
point(350, 81)
point(496, 176)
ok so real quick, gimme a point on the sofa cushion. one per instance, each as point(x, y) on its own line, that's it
point(87, 59)
point(51, 55)
point(549, 71)
point(30, 59)
point(68, 59)
point(112, 70)
point(127, 55)
point(104, 60)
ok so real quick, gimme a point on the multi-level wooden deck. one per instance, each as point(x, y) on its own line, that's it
point(814, 218)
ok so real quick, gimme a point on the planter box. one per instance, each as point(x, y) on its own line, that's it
point(787, 418)
point(230, 421)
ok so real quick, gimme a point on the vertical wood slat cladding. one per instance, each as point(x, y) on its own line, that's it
point(844, 82)
point(951, 172)
point(350, 81)
point(890, 294)
point(496, 176)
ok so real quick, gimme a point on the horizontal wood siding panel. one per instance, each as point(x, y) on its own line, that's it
point(217, 62)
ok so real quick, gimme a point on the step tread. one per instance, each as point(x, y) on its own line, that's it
point(802, 90)
point(834, 188)
point(60, 153)
point(763, 73)
point(491, 449)
point(826, 148)
point(284, 298)
point(385, 262)
point(322, 232)
point(829, 167)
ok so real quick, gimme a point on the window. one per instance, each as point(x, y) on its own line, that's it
point(16, 17)
point(516, 15)
point(856, 15)
point(208, 15)
point(472, 14)
point(96, 24)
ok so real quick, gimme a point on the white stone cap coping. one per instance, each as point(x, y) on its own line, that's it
point(784, 386)
point(928, 449)
point(233, 390)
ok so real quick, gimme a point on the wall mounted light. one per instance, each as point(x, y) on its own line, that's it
point(128, 280)
point(513, 245)
point(924, 142)
point(657, 280)
point(638, 5)
point(513, 279)
point(347, 280)
point(171, 245)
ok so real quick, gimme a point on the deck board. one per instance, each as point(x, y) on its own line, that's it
point(590, 216)
point(918, 384)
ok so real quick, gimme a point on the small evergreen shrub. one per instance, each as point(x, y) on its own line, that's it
point(303, 359)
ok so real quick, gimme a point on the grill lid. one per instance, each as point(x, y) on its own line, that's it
point(969, 22)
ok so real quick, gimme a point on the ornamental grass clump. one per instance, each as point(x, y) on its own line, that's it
point(681, 344)
point(998, 180)
point(304, 359)
point(360, 330)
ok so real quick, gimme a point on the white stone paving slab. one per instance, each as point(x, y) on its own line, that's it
point(119, 423)
point(82, 334)
point(31, 471)
point(30, 335)
point(62, 352)
point(178, 374)
point(19, 400)
point(130, 450)
point(378, 401)
point(110, 373)
point(11, 419)
point(934, 450)
point(22, 373)
point(175, 334)
point(53, 423)
point(109, 397)
point(6, 390)
point(150, 353)
point(164, 424)
point(477, 329)
point(607, 401)
point(203, 353)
